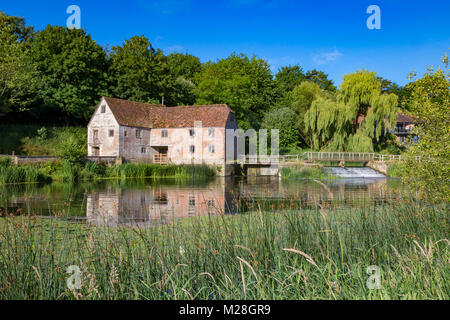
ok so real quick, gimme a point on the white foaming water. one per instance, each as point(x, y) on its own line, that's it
point(361, 172)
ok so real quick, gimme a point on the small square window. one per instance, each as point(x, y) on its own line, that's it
point(192, 132)
point(111, 133)
point(191, 149)
point(103, 109)
point(143, 150)
point(138, 133)
point(164, 133)
point(211, 148)
point(211, 132)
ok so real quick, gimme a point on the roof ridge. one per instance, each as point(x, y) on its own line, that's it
point(141, 114)
point(164, 106)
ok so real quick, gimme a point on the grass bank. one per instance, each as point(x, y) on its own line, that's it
point(290, 254)
point(36, 140)
point(296, 173)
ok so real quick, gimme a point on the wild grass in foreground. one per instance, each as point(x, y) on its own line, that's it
point(289, 254)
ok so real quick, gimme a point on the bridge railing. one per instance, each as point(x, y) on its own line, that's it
point(351, 156)
point(316, 156)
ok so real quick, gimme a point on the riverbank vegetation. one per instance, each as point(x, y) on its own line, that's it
point(300, 172)
point(65, 171)
point(426, 165)
point(294, 254)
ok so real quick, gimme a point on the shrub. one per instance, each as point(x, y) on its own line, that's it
point(93, 170)
point(71, 151)
point(5, 161)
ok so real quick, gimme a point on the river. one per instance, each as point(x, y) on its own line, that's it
point(147, 203)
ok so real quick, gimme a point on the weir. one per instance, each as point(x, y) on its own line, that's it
point(354, 172)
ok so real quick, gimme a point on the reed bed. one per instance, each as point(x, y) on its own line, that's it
point(320, 253)
point(20, 174)
point(66, 172)
point(143, 170)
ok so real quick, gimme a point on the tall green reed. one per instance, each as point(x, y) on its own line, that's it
point(290, 254)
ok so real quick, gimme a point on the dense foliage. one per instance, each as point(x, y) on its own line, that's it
point(357, 119)
point(245, 84)
point(17, 70)
point(427, 165)
point(71, 70)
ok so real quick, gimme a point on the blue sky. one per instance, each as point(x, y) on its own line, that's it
point(328, 35)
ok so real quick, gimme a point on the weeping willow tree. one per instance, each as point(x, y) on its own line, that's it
point(356, 120)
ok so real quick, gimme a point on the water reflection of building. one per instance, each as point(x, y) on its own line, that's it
point(158, 205)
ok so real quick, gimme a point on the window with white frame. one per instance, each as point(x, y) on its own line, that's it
point(191, 149)
point(164, 133)
point(211, 132)
point(211, 148)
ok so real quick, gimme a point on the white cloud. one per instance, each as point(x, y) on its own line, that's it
point(175, 48)
point(325, 57)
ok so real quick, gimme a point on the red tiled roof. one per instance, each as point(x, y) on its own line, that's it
point(405, 118)
point(138, 114)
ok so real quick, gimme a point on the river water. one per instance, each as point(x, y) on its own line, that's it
point(147, 203)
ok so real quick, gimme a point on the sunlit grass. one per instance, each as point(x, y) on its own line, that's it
point(288, 254)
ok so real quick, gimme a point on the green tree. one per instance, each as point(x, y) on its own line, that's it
point(71, 71)
point(139, 72)
point(284, 120)
point(183, 69)
point(320, 78)
point(287, 78)
point(184, 65)
point(357, 119)
point(17, 85)
point(427, 163)
point(246, 85)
